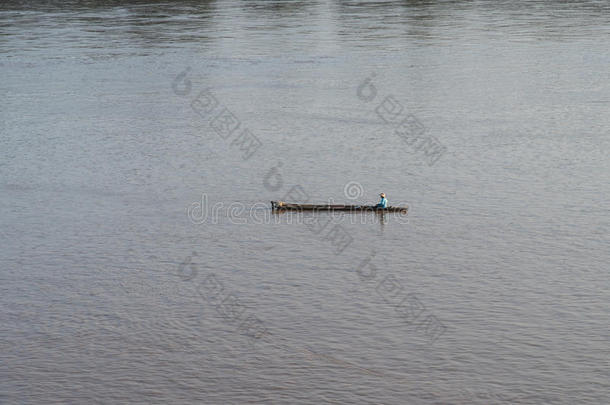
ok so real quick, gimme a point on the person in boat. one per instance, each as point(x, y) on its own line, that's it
point(383, 203)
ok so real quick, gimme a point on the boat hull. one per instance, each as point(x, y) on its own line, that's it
point(283, 206)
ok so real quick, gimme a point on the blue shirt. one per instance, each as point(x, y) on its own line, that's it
point(383, 203)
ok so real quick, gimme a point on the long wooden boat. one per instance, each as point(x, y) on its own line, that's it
point(281, 205)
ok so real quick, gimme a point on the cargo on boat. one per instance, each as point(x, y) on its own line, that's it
point(281, 205)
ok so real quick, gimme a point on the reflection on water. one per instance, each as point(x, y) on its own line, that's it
point(120, 283)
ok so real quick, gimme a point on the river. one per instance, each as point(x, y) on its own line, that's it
point(141, 143)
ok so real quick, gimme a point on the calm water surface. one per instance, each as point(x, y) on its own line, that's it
point(109, 291)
